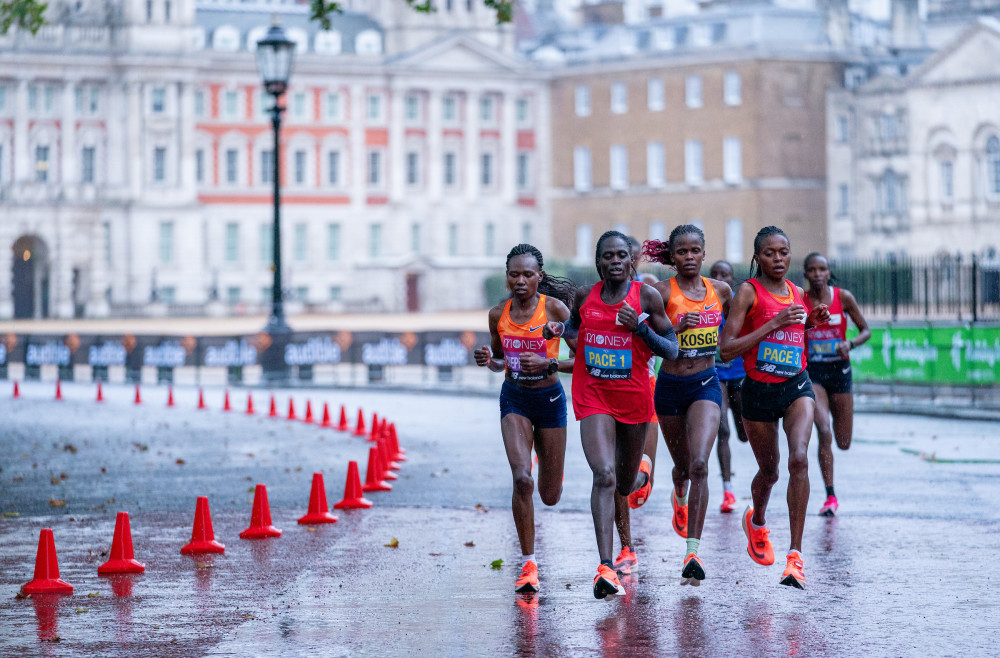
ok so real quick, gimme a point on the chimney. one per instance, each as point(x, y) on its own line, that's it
point(907, 30)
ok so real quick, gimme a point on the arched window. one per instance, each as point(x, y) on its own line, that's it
point(993, 166)
point(889, 191)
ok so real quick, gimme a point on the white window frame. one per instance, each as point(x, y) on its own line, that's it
point(693, 91)
point(732, 88)
point(656, 95)
point(732, 160)
point(619, 97)
point(734, 240)
point(656, 164)
point(581, 100)
point(694, 165)
point(618, 167)
point(583, 180)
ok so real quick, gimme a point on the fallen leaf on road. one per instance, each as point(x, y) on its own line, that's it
point(180, 462)
point(141, 446)
point(251, 489)
point(435, 475)
point(249, 454)
point(69, 447)
point(54, 480)
point(93, 595)
point(470, 543)
point(21, 595)
point(79, 610)
point(436, 554)
point(481, 508)
point(9, 515)
point(63, 476)
point(311, 529)
point(393, 543)
point(204, 565)
point(496, 564)
point(57, 503)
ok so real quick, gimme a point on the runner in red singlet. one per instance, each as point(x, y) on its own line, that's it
point(766, 325)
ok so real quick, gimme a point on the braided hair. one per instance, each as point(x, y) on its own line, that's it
point(658, 251)
point(554, 286)
point(762, 235)
point(597, 252)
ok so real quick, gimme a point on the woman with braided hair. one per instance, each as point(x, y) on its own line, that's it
point(532, 401)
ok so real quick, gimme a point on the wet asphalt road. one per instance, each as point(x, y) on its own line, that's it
point(908, 568)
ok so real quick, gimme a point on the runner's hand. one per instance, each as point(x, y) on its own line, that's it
point(819, 315)
point(552, 330)
point(688, 321)
point(791, 315)
point(483, 356)
point(533, 363)
point(844, 349)
point(628, 318)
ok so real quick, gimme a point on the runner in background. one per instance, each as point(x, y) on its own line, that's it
point(767, 325)
point(532, 400)
point(830, 366)
point(731, 380)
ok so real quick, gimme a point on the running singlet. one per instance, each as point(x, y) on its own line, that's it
point(728, 371)
point(779, 355)
point(823, 339)
point(703, 339)
point(519, 338)
point(610, 373)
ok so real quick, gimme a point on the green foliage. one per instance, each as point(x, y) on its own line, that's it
point(322, 11)
point(24, 14)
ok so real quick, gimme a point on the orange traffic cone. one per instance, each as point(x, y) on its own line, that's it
point(373, 435)
point(291, 410)
point(46, 580)
point(138, 396)
point(374, 480)
point(342, 425)
point(309, 413)
point(260, 518)
point(273, 412)
point(17, 390)
point(225, 402)
point(318, 511)
point(202, 535)
point(122, 558)
point(100, 392)
point(170, 396)
point(360, 429)
point(326, 416)
point(59, 390)
point(386, 461)
point(394, 442)
point(201, 399)
point(250, 410)
point(353, 497)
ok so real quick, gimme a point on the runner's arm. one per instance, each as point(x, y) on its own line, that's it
point(485, 355)
point(854, 311)
point(731, 346)
point(656, 331)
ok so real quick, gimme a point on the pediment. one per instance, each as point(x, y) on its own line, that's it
point(462, 54)
point(974, 55)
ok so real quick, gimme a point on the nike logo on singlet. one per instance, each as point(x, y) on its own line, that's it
point(530, 328)
point(706, 381)
point(801, 385)
point(710, 306)
point(846, 370)
point(555, 398)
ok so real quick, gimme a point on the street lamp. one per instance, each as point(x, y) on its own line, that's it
point(275, 58)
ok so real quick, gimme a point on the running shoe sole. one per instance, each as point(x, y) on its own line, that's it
point(604, 588)
point(792, 581)
point(693, 570)
point(526, 588)
point(746, 531)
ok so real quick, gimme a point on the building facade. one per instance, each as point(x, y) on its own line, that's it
point(136, 160)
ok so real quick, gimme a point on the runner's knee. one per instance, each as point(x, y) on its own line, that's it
point(798, 462)
point(698, 469)
point(524, 485)
point(604, 477)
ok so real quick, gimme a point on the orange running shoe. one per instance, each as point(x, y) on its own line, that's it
point(794, 576)
point(528, 582)
point(625, 561)
point(638, 498)
point(606, 583)
point(728, 502)
point(758, 545)
point(694, 570)
point(680, 516)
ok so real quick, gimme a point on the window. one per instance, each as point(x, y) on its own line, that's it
point(232, 242)
point(232, 166)
point(412, 168)
point(41, 164)
point(300, 247)
point(889, 192)
point(486, 170)
point(233, 294)
point(887, 127)
point(490, 239)
point(87, 164)
point(415, 238)
point(619, 167)
point(333, 242)
point(658, 231)
point(166, 10)
point(449, 170)
point(199, 103)
point(452, 239)
point(48, 98)
point(333, 167)
point(581, 169)
point(993, 166)
point(732, 160)
point(584, 242)
point(655, 96)
point(374, 168)
point(734, 240)
point(336, 292)
point(267, 246)
point(106, 231)
point(693, 174)
point(486, 110)
point(375, 240)
point(448, 112)
point(656, 165)
point(333, 106)
point(300, 167)
point(692, 91)
point(159, 100)
point(732, 88)
point(267, 166)
point(199, 165)
point(523, 116)
point(299, 105)
point(842, 200)
point(32, 97)
point(159, 164)
point(149, 11)
point(619, 98)
point(947, 181)
point(302, 293)
point(168, 294)
point(94, 100)
point(523, 161)
point(166, 242)
point(412, 109)
point(843, 131)
point(582, 100)
point(231, 104)
point(374, 107)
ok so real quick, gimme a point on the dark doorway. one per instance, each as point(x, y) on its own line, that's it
point(412, 293)
point(31, 278)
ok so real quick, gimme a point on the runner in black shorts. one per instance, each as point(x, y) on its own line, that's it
point(830, 367)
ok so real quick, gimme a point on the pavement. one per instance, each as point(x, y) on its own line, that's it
point(908, 567)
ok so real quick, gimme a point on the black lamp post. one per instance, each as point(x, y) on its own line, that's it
point(275, 58)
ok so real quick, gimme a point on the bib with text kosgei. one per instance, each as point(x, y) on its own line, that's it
point(703, 339)
point(607, 354)
point(513, 347)
point(780, 352)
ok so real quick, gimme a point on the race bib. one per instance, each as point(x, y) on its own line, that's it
point(780, 360)
point(513, 347)
point(608, 354)
point(824, 350)
point(700, 341)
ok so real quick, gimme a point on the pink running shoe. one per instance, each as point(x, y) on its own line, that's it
point(829, 507)
point(728, 502)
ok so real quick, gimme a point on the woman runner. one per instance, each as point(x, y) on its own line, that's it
point(731, 381)
point(688, 397)
point(532, 402)
point(767, 326)
point(830, 367)
point(611, 396)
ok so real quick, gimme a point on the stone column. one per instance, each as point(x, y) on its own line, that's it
point(472, 146)
point(395, 166)
point(507, 157)
point(23, 171)
point(69, 171)
point(135, 172)
point(435, 154)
